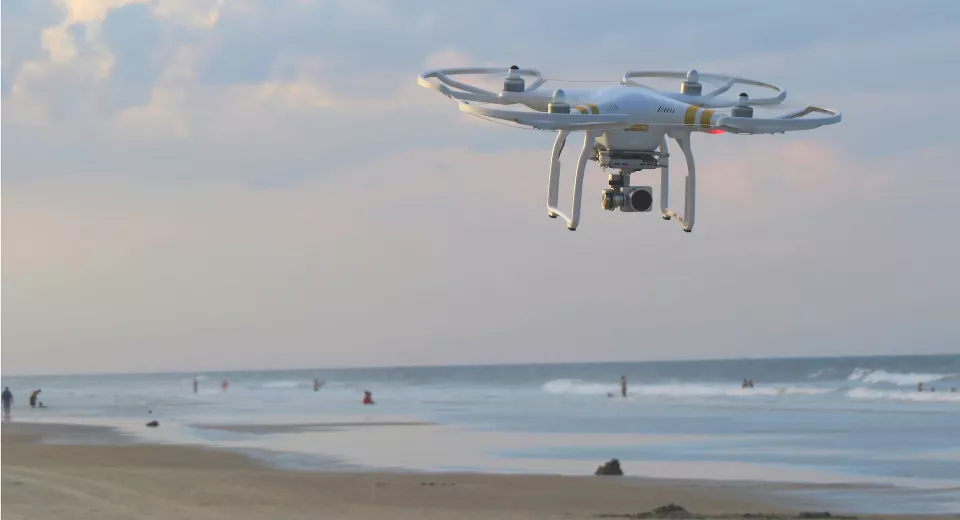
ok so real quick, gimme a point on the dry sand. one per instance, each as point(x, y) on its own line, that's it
point(133, 481)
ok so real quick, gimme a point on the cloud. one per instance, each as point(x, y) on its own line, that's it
point(195, 180)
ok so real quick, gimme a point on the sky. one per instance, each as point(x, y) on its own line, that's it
point(255, 184)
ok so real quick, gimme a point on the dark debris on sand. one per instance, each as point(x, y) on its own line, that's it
point(675, 512)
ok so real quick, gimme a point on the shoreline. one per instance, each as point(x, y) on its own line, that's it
point(111, 474)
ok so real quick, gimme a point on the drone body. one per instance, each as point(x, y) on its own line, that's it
point(626, 127)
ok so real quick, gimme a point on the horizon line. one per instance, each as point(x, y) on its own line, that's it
point(477, 365)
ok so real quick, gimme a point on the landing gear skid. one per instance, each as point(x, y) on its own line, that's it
point(689, 196)
point(553, 181)
point(553, 184)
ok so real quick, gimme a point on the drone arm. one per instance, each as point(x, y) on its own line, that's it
point(552, 121)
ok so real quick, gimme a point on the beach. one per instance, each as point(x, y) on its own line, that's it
point(836, 435)
point(115, 479)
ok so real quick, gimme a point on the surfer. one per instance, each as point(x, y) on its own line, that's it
point(920, 387)
point(623, 386)
point(367, 397)
point(195, 384)
point(317, 384)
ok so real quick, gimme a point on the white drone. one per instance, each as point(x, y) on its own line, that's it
point(626, 126)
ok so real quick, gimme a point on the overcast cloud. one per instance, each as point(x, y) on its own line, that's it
point(202, 184)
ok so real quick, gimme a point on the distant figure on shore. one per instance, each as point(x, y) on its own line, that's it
point(33, 398)
point(953, 389)
point(368, 397)
point(224, 385)
point(623, 386)
point(747, 383)
point(195, 384)
point(920, 387)
point(317, 384)
point(7, 401)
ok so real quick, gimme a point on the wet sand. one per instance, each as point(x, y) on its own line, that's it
point(130, 481)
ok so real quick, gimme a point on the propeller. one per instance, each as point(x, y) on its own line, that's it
point(691, 89)
point(513, 83)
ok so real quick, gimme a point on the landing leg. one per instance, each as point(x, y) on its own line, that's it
point(588, 138)
point(553, 187)
point(690, 197)
point(664, 179)
point(690, 187)
point(553, 182)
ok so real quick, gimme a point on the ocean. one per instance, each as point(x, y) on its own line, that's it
point(857, 420)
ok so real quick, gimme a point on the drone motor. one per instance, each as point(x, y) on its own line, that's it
point(691, 86)
point(514, 81)
point(743, 109)
point(558, 104)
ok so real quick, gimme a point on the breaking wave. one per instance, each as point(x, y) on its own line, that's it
point(870, 376)
point(283, 384)
point(579, 387)
point(896, 395)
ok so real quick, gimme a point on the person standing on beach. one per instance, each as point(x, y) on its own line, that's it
point(7, 401)
point(623, 386)
point(195, 385)
point(33, 398)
